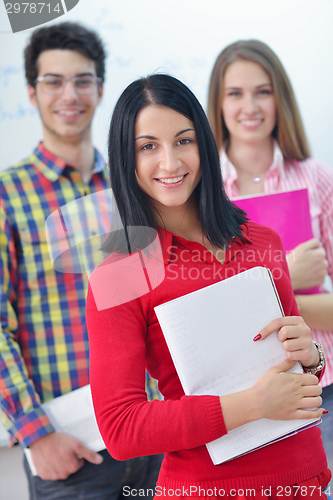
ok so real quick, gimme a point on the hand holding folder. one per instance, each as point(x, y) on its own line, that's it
point(73, 414)
point(288, 213)
point(307, 266)
point(210, 335)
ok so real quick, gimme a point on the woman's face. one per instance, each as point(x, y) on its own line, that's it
point(248, 103)
point(167, 156)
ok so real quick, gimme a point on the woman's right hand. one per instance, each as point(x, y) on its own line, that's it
point(285, 396)
point(307, 265)
point(276, 395)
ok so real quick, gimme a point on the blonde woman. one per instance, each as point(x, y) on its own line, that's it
point(259, 133)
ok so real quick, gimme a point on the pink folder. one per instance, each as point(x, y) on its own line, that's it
point(287, 212)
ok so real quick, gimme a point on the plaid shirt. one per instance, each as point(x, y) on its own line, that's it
point(43, 335)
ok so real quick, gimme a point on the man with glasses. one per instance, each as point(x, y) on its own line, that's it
point(43, 337)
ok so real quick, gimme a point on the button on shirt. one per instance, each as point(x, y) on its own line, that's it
point(317, 177)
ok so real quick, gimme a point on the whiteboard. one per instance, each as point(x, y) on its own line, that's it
point(182, 38)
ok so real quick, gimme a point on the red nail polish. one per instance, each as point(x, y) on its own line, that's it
point(257, 337)
point(325, 412)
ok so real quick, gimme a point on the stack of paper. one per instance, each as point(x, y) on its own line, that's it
point(73, 413)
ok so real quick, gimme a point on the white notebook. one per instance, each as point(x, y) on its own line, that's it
point(210, 334)
point(73, 413)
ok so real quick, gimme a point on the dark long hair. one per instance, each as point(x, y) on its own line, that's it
point(220, 219)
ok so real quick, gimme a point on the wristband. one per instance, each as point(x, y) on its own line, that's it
point(322, 360)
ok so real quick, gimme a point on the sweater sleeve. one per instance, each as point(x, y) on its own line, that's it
point(129, 424)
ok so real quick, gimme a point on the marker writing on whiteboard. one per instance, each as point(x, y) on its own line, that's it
point(24, 15)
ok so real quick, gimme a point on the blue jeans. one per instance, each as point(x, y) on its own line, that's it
point(327, 428)
point(327, 424)
point(111, 480)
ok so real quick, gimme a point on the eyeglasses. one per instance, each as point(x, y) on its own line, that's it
point(83, 85)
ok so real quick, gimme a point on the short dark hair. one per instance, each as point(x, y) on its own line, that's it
point(220, 219)
point(65, 36)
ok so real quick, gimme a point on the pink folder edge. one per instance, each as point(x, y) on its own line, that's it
point(287, 212)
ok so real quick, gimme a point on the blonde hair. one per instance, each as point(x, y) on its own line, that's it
point(289, 130)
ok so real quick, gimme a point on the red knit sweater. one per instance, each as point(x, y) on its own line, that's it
point(126, 339)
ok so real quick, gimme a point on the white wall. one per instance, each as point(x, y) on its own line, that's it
point(182, 38)
point(13, 481)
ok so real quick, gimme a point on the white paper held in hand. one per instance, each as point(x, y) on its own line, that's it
point(210, 334)
point(73, 413)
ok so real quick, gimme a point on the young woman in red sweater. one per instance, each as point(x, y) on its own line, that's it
point(165, 175)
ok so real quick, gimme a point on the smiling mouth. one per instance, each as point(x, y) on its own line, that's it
point(69, 113)
point(251, 122)
point(172, 180)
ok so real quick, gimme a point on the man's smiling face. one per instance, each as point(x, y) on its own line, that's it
point(66, 117)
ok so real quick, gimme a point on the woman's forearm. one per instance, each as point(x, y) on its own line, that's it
point(317, 310)
point(276, 395)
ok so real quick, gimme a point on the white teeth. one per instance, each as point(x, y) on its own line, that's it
point(172, 181)
point(68, 113)
point(251, 122)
